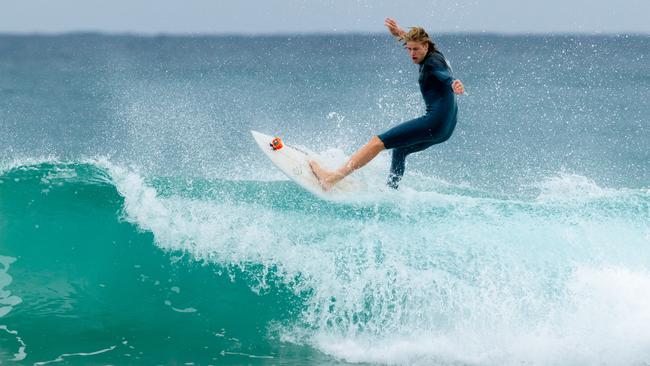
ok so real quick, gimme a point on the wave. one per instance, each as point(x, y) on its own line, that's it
point(449, 275)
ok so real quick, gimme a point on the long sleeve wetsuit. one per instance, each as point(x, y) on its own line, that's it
point(434, 127)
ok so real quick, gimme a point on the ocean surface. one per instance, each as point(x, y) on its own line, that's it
point(140, 225)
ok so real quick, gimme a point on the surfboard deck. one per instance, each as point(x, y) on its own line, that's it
point(294, 163)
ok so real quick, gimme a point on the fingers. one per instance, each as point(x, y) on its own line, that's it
point(393, 28)
point(390, 23)
point(458, 87)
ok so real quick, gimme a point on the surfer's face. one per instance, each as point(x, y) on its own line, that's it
point(417, 51)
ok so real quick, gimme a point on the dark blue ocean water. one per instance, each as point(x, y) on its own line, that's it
point(537, 105)
point(139, 223)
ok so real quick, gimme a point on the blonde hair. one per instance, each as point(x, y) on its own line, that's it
point(418, 34)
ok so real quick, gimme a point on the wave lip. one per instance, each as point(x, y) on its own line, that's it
point(453, 280)
point(572, 187)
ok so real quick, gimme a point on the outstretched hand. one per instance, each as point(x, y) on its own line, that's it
point(458, 87)
point(393, 28)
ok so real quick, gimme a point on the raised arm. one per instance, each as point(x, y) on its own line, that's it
point(393, 28)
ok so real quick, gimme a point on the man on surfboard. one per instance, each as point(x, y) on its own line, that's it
point(438, 88)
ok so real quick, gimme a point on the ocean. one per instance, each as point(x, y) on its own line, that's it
point(141, 225)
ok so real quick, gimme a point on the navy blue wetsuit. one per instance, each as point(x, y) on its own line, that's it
point(435, 126)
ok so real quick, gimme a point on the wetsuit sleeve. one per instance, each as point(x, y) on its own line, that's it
point(440, 71)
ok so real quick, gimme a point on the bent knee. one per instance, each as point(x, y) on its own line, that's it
point(376, 142)
point(448, 136)
point(444, 137)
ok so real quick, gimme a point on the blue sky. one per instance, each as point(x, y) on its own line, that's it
point(329, 16)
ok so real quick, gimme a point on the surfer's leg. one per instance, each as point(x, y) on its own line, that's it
point(409, 133)
point(397, 166)
point(398, 162)
point(328, 179)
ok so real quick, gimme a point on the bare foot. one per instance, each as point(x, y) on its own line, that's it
point(326, 178)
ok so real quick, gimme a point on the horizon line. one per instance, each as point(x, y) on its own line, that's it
point(300, 34)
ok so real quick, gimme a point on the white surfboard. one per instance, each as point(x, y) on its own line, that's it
point(294, 163)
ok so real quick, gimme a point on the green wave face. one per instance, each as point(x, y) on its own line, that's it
point(89, 281)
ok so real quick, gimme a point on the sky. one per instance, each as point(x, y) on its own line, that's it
point(323, 16)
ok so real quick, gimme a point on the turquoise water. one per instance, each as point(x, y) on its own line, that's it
point(140, 225)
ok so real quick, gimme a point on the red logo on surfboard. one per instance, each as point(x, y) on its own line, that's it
point(276, 144)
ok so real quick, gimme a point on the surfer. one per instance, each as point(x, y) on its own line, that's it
point(438, 87)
